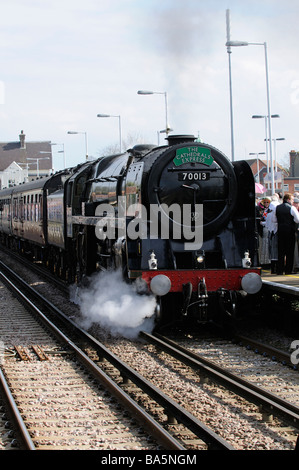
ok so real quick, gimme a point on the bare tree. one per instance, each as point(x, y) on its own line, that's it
point(127, 143)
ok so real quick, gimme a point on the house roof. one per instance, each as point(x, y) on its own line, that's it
point(252, 161)
point(21, 150)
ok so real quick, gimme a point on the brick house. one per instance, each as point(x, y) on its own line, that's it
point(286, 181)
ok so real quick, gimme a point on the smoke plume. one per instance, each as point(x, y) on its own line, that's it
point(115, 306)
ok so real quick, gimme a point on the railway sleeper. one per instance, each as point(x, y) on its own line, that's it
point(24, 355)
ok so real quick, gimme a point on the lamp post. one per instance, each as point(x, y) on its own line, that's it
point(257, 163)
point(275, 153)
point(37, 163)
point(119, 125)
point(230, 85)
point(85, 133)
point(146, 92)
point(258, 116)
point(48, 157)
point(264, 44)
point(61, 151)
point(275, 140)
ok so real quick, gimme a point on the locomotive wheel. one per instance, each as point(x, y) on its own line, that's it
point(54, 260)
point(158, 311)
point(81, 250)
point(228, 303)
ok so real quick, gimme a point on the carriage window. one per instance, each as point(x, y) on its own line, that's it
point(69, 194)
point(41, 207)
point(21, 208)
point(15, 206)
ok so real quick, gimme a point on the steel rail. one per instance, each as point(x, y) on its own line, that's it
point(154, 428)
point(260, 348)
point(36, 267)
point(16, 414)
point(204, 433)
point(251, 392)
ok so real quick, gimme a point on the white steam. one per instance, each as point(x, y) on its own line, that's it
point(114, 305)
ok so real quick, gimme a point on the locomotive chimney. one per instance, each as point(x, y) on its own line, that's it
point(22, 140)
point(180, 139)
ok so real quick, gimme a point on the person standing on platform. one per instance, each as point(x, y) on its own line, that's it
point(296, 252)
point(263, 232)
point(287, 217)
point(271, 225)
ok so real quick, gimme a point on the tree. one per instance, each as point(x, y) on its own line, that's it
point(127, 143)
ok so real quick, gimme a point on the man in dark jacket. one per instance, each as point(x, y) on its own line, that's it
point(287, 218)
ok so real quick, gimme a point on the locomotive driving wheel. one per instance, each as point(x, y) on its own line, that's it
point(228, 302)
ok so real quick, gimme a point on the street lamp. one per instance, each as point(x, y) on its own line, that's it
point(230, 85)
point(257, 163)
point(42, 151)
point(258, 116)
point(275, 140)
point(119, 125)
point(37, 163)
point(61, 151)
point(146, 92)
point(275, 157)
point(85, 133)
point(245, 43)
point(275, 154)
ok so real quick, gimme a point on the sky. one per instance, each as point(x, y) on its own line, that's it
point(62, 62)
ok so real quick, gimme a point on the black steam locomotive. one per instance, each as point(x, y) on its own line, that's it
point(179, 218)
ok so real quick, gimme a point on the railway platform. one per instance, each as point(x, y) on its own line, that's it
point(288, 283)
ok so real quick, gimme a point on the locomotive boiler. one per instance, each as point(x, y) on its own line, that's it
point(178, 220)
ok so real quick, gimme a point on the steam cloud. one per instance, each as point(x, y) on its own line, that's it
point(116, 306)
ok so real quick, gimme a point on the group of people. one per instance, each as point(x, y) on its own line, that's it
point(278, 228)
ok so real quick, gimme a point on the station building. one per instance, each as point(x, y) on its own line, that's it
point(22, 161)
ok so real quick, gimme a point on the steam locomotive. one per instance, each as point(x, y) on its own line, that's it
point(177, 219)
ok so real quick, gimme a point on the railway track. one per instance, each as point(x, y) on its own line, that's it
point(285, 358)
point(206, 392)
point(12, 428)
point(55, 401)
point(267, 401)
point(204, 437)
point(125, 377)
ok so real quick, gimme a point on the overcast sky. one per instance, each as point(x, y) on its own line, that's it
point(64, 61)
